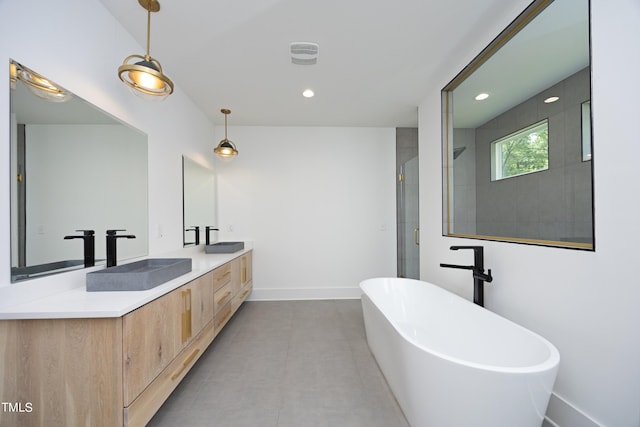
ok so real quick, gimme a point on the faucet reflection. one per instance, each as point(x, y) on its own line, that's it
point(207, 235)
point(88, 236)
point(195, 228)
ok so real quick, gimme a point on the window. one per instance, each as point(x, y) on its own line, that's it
point(521, 152)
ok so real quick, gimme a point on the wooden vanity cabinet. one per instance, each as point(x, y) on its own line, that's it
point(151, 340)
point(246, 271)
point(223, 292)
point(161, 333)
point(201, 303)
point(61, 372)
point(243, 278)
point(115, 371)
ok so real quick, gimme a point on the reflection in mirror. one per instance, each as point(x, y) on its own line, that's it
point(73, 167)
point(517, 134)
point(199, 207)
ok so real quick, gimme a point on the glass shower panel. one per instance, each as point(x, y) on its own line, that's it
point(408, 220)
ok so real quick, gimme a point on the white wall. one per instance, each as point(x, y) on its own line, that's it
point(79, 45)
point(586, 303)
point(331, 206)
point(318, 203)
point(64, 192)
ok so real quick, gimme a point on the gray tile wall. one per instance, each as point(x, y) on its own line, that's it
point(555, 204)
point(464, 182)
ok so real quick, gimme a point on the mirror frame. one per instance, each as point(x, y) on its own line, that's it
point(528, 15)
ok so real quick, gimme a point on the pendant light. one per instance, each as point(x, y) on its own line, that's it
point(226, 148)
point(37, 84)
point(13, 74)
point(145, 77)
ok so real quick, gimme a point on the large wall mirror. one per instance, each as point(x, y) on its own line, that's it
point(517, 157)
point(199, 203)
point(73, 167)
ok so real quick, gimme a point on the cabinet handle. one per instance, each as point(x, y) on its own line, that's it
point(416, 236)
point(226, 277)
point(243, 274)
point(183, 316)
point(244, 294)
point(186, 363)
point(186, 315)
point(189, 318)
point(223, 297)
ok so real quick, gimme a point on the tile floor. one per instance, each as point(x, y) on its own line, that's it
point(286, 364)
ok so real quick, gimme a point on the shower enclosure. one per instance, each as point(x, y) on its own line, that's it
point(408, 229)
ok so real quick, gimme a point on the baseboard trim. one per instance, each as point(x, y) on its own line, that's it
point(562, 413)
point(281, 294)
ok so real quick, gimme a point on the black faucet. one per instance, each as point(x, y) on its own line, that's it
point(111, 245)
point(195, 228)
point(88, 236)
point(208, 229)
point(479, 276)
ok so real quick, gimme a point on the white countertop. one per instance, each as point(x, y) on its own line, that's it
point(71, 300)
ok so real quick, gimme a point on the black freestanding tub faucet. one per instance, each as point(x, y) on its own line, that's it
point(479, 276)
point(111, 245)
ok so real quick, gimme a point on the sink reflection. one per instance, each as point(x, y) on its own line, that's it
point(224, 247)
point(31, 271)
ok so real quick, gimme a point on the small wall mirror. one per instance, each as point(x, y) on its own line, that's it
point(199, 203)
point(517, 148)
point(73, 167)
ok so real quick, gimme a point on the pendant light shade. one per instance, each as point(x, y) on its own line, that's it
point(145, 77)
point(13, 74)
point(226, 149)
point(37, 84)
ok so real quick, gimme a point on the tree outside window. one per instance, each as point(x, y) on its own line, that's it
point(521, 152)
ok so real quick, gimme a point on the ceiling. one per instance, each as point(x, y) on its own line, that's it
point(376, 58)
point(550, 48)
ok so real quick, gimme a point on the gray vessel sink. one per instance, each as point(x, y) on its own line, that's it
point(224, 247)
point(139, 275)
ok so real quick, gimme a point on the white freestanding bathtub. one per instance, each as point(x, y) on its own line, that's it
point(452, 363)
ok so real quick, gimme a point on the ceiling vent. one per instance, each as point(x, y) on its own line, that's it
point(304, 53)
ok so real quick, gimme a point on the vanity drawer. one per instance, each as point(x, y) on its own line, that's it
point(222, 317)
point(147, 404)
point(222, 296)
point(221, 276)
point(241, 296)
point(152, 336)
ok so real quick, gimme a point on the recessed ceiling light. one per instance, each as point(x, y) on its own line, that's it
point(551, 99)
point(308, 93)
point(481, 96)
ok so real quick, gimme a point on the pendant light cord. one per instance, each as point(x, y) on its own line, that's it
point(148, 28)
